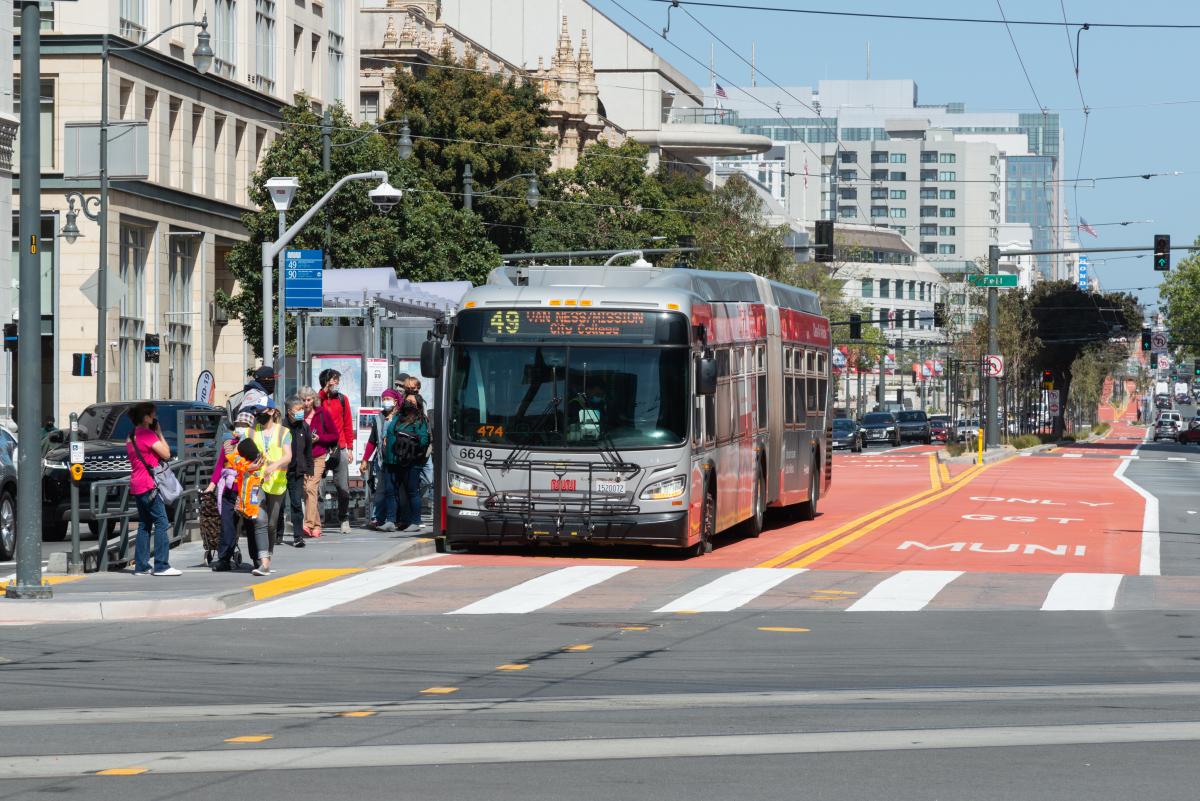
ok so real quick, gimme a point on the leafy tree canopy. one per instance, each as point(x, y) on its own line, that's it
point(1180, 293)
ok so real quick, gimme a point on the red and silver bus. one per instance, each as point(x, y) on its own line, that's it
point(621, 404)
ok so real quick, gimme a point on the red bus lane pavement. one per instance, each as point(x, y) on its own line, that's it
point(863, 484)
point(1023, 515)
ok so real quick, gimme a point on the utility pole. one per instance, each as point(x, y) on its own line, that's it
point(993, 310)
point(326, 148)
point(29, 326)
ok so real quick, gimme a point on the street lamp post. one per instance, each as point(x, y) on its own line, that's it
point(532, 195)
point(202, 58)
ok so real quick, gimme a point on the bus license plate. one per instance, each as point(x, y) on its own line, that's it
point(610, 487)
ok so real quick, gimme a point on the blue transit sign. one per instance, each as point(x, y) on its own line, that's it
point(303, 278)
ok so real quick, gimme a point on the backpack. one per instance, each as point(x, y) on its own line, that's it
point(403, 447)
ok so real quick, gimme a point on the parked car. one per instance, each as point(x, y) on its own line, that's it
point(847, 434)
point(939, 431)
point(8, 494)
point(880, 427)
point(103, 428)
point(913, 425)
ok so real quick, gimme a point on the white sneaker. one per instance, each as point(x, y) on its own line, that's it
point(346, 527)
point(170, 571)
point(260, 571)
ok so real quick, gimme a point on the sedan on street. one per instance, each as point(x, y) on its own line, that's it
point(939, 431)
point(880, 427)
point(847, 434)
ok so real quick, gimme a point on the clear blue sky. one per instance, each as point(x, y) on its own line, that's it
point(1131, 79)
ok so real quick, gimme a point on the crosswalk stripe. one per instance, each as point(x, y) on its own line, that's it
point(731, 590)
point(1077, 592)
point(339, 592)
point(908, 591)
point(542, 591)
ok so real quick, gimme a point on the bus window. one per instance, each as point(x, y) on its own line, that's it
point(710, 419)
point(787, 360)
point(762, 401)
point(813, 406)
point(812, 362)
point(799, 400)
point(762, 358)
point(789, 393)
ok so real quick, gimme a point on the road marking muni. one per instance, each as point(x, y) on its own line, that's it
point(337, 593)
point(1083, 592)
point(544, 590)
point(908, 591)
point(730, 591)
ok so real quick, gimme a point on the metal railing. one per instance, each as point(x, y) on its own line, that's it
point(114, 509)
point(700, 116)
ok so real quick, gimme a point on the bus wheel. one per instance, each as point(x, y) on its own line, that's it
point(708, 525)
point(808, 509)
point(754, 526)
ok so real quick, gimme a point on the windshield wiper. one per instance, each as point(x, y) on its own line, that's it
point(551, 406)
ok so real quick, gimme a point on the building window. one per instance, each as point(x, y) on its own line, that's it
point(879, 175)
point(898, 176)
point(885, 288)
point(898, 194)
point(929, 211)
point(848, 157)
point(947, 194)
point(46, 123)
point(847, 175)
point(879, 193)
point(912, 318)
point(336, 43)
point(899, 214)
point(946, 212)
point(901, 229)
point(879, 211)
point(133, 245)
point(368, 106)
point(224, 35)
point(45, 15)
point(947, 158)
point(848, 193)
point(879, 157)
point(929, 193)
point(912, 290)
point(847, 212)
point(929, 157)
point(133, 19)
point(868, 288)
point(929, 247)
point(947, 175)
point(884, 315)
point(179, 315)
point(921, 290)
point(899, 158)
point(928, 230)
point(899, 289)
point(928, 175)
point(947, 230)
point(264, 45)
point(946, 250)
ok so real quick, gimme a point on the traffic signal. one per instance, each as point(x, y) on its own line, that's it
point(10, 337)
point(1162, 252)
point(856, 326)
point(939, 315)
point(823, 244)
point(1196, 367)
point(1146, 339)
point(152, 348)
point(1047, 379)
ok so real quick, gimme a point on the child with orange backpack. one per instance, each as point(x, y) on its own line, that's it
point(246, 462)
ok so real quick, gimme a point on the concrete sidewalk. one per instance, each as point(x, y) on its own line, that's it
point(200, 592)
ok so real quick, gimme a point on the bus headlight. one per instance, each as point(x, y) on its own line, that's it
point(461, 485)
point(665, 490)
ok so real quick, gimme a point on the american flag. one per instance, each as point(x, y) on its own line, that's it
point(1083, 226)
point(721, 91)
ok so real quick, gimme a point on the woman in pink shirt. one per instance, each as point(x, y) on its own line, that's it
point(146, 448)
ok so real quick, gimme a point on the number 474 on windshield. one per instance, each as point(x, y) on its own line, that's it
point(490, 432)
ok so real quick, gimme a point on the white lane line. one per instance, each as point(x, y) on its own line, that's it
point(542, 591)
point(334, 594)
point(1176, 459)
point(909, 591)
point(1149, 561)
point(1072, 456)
point(1083, 592)
point(731, 590)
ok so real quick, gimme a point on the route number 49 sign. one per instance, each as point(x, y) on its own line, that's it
point(993, 365)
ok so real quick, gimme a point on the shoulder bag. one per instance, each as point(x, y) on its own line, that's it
point(165, 482)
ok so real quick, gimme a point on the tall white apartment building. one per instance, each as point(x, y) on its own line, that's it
point(170, 230)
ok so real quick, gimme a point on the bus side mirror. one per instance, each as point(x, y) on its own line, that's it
point(706, 376)
point(431, 363)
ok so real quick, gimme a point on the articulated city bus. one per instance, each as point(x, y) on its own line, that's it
point(629, 405)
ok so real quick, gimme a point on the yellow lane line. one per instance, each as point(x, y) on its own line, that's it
point(251, 738)
point(122, 772)
point(869, 527)
point(439, 690)
point(783, 629)
point(513, 666)
point(945, 473)
point(935, 480)
point(299, 580)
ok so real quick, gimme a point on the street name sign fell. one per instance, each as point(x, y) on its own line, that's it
point(999, 280)
point(303, 279)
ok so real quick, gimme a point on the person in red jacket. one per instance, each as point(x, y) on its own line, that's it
point(337, 406)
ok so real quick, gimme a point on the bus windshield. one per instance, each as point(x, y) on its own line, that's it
point(568, 397)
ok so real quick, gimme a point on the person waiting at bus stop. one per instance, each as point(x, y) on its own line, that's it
point(412, 449)
point(338, 459)
point(382, 461)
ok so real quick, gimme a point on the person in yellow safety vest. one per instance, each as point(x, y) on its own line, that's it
point(274, 440)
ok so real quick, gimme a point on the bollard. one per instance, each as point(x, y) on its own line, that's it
point(75, 564)
point(979, 436)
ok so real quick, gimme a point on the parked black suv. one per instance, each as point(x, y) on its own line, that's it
point(914, 425)
point(103, 428)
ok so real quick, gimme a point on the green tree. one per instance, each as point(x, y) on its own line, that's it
point(424, 237)
point(734, 236)
point(1180, 294)
point(460, 115)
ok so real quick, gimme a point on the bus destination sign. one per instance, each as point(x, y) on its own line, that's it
point(571, 325)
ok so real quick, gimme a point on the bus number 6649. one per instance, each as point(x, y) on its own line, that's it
point(475, 453)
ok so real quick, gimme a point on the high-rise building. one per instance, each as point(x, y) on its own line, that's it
point(945, 178)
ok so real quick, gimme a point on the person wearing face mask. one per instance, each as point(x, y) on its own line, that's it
point(325, 439)
point(275, 443)
point(410, 444)
point(378, 458)
point(259, 388)
point(338, 407)
point(301, 467)
point(412, 389)
point(223, 484)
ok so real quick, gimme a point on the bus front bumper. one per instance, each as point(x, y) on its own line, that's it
point(668, 529)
